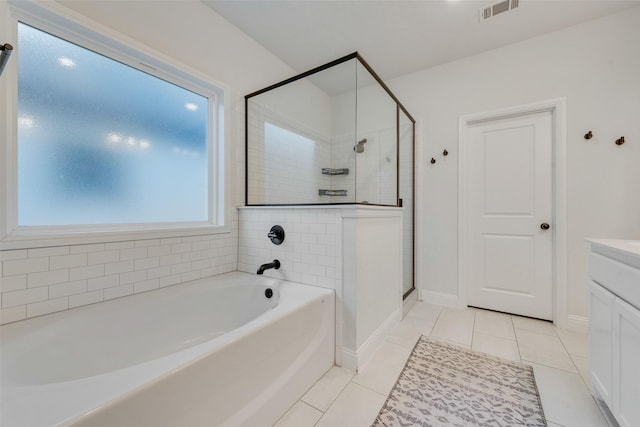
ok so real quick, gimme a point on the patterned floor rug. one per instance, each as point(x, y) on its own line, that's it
point(445, 385)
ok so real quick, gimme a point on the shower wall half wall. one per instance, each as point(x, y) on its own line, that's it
point(354, 249)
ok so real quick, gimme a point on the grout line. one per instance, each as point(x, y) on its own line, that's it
point(342, 391)
point(435, 323)
point(332, 400)
point(573, 362)
point(513, 328)
point(552, 367)
point(586, 381)
point(473, 328)
point(577, 371)
point(301, 400)
point(375, 391)
point(293, 406)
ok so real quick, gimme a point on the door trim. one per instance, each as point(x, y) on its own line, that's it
point(557, 107)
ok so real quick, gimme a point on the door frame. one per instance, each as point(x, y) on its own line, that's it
point(558, 109)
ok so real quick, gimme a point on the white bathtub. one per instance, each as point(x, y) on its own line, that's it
point(211, 352)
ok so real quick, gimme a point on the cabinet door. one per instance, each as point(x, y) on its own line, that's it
point(600, 340)
point(626, 361)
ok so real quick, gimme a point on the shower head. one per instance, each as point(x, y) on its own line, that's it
point(359, 147)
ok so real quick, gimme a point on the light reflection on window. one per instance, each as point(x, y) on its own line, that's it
point(100, 142)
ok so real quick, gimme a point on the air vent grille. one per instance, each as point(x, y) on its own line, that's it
point(497, 8)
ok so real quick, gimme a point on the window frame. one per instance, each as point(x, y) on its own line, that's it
point(59, 22)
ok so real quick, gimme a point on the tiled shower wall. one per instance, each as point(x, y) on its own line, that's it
point(276, 175)
point(40, 281)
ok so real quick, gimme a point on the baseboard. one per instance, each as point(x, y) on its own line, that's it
point(578, 323)
point(349, 360)
point(440, 298)
point(353, 360)
point(408, 303)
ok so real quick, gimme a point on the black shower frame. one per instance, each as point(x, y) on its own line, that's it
point(399, 107)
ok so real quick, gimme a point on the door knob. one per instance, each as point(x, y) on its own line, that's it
point(544, 226)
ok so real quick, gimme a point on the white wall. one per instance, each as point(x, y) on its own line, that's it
point(38, 281)
point(596, 65)
point(193, 34)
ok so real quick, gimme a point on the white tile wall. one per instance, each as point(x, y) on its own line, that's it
point(310, 253)
point(294, 182)
point(40, 281)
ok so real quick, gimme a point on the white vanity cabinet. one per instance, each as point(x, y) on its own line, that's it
point(614, 327)
point(625, 396)
point(600, 340)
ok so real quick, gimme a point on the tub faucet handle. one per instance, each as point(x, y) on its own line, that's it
point(276, 234)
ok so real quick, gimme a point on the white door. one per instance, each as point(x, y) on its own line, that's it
point(509, 239)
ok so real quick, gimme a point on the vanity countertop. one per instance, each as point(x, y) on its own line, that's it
point(626, 251)
point(615, 265)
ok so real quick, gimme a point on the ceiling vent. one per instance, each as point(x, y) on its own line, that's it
point(497, 8)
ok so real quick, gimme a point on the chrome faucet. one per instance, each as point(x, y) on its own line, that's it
point(275, 264)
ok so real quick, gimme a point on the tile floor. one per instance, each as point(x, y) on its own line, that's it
point(558, 357)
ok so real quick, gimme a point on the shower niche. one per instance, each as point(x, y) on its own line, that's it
point(335, 135)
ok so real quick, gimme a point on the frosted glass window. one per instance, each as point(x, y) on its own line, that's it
point(100, 142)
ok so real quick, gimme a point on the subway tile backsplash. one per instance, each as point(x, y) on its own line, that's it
point(310, 253)
point(40, 281)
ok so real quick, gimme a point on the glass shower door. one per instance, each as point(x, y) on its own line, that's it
point(376, 142)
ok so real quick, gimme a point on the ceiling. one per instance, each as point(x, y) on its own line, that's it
point(397, 37)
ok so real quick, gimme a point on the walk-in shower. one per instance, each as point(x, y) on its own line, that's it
point(333, 135)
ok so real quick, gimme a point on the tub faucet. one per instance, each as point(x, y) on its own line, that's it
point(275, 264)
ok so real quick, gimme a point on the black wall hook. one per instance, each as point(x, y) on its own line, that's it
point(445, 152)
point(588, 135)
point(433, 160)
point(620, 140)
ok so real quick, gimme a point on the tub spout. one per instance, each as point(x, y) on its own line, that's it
point(275, 264)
